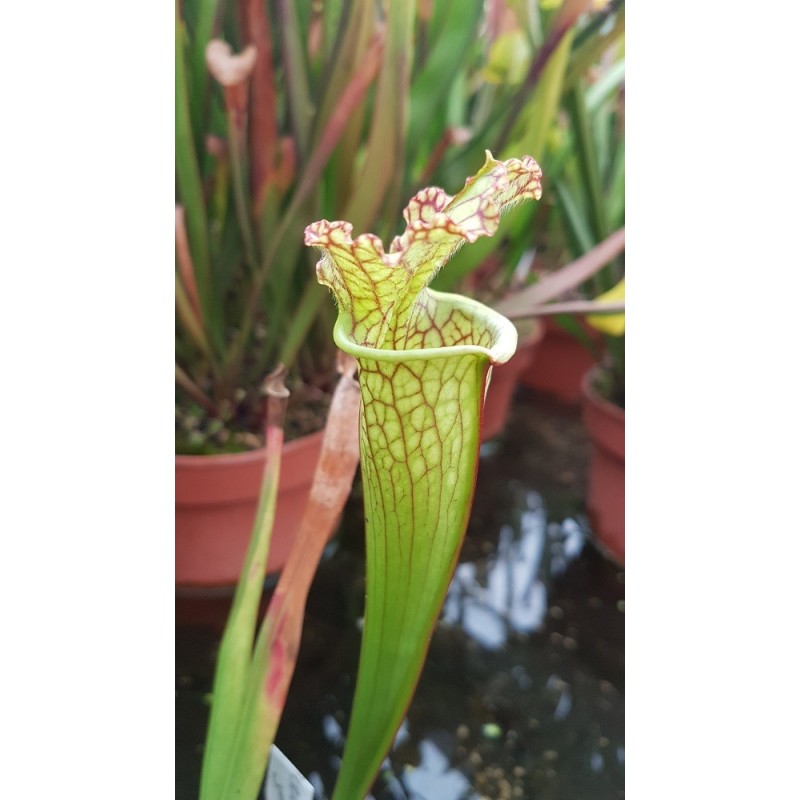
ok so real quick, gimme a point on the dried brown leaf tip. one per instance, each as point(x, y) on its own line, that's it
point(228, 68)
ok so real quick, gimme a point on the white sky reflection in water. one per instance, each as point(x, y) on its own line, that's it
point(515, 596)
point(510, 594)
point(433, 779)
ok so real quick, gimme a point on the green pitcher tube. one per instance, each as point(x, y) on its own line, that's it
point(425, 361)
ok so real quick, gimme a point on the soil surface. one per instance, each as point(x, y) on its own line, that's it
point(522, 694)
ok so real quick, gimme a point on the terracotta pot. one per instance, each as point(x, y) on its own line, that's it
point(559, 363)
point(215, 507)
point(504, 380)
point(605, 423)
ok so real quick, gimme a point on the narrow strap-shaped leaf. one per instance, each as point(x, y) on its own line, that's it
point(281, 243)
point(432, 83)
point(203, 31)
point(190, 186)
point(352, 32)
point(539, 114)
point(183, 380)
point(233, 72)
point(275, 652)
point(529, 135)
point(236, 647)
point(382, 173)
point(184, 259)
point(616, 185)
point(593, 41)
point(578, 228)
point(609, 82)
point(588, 161)
point(187, 315)
point(527, 301)
point(263, 134)
point(302, 319)
point(301, 108)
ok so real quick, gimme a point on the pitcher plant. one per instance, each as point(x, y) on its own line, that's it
point(425, 361)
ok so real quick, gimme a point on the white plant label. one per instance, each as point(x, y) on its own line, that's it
point(284, 780)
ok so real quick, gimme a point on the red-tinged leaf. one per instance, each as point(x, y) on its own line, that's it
point(229, 696)
point(263, 103)
point(185, 266)
point(275, 652)
point(526, 301)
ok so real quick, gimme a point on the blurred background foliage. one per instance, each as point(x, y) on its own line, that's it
point(343, 110)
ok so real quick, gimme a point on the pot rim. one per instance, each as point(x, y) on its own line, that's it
point(589, 393)
point(247, 456)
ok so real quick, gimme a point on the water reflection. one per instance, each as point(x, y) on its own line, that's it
point(489, 598)
point(432, 779)
point(514, 593)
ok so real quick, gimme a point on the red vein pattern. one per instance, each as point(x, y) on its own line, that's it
point(380, 290)
point(422, 377)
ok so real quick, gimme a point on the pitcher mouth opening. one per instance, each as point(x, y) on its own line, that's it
point(504, 336)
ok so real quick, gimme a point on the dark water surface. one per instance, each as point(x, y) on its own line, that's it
point(522, 694)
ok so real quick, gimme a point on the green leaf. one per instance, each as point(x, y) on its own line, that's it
point(592, 42)
point(578, 230)
point(529, 135)
point(616, 187)
point(382, 172)
point(301, 106)
point(425, 359)
point(609, 82)
point(190, 188)
point(203, 30)
point(236, 647)
point(538, 115)
point(431, 84)
point(275, 651)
